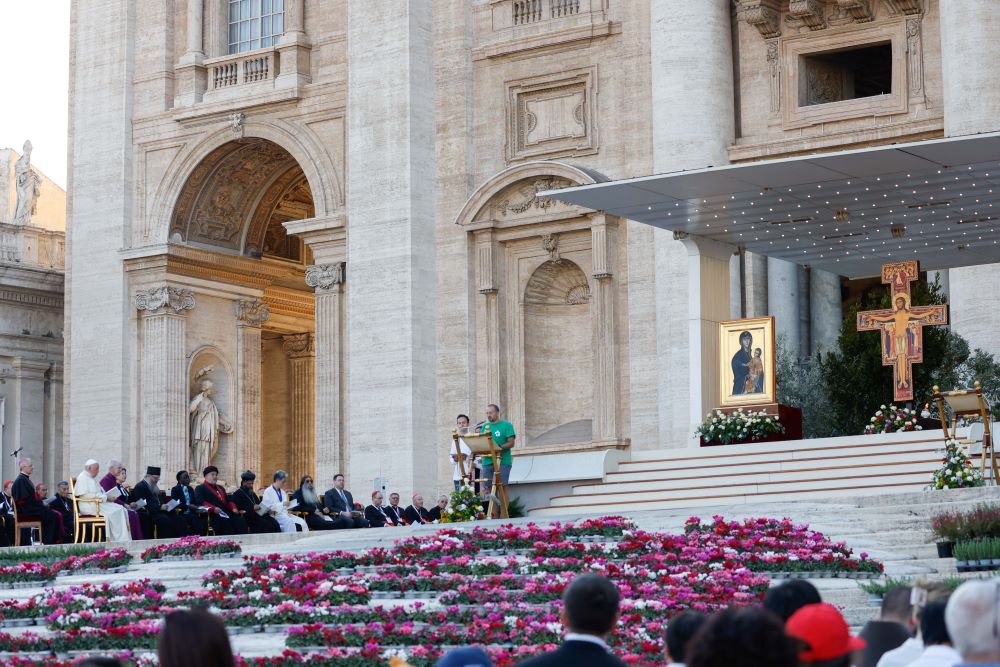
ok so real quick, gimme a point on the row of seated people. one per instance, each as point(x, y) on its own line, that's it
point(145, 511)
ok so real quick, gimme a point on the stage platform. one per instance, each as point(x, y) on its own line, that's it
point(735, 475)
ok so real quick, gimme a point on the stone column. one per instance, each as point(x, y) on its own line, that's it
point(603, 232)
point(391, 194)
point(250, 315)
point(783, 302)
point(708, 305)
point(55, 463)
point(26, 414)
point(302, 417)
point(491, 366)
point(970, 52)
point(691, 60)
point(294, 49)
point(192, 76)
point(825, 309)
point(755, 284)
point(328, 281)
point(163, 391)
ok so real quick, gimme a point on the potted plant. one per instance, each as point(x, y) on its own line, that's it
point(963, 555)
point(947, 527)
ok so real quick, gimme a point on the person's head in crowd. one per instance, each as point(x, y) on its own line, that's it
point(394, 499)
point(590, 605)
point(465, 657)
point(7, 486)
point(62, 489)
point(377, 498)
point(971, 617)
point(42, 490)
point(339, 482)
point(442, 502)
point(247, 480)
point(681, 629)
point(897, 607)
point(280, 477)
point(418, 500)
point(826, 639)
point(308, 489)
point(195, 638)
point(210, 474)
point(183, 477)
point(122, 475)
point(789, 596)
point(933, 628)
point(743, 636)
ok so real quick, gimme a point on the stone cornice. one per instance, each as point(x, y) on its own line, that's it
point(165, 298)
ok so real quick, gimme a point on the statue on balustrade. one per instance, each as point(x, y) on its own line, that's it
point(27, 185)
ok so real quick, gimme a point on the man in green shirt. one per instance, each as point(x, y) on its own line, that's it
point(503, 438)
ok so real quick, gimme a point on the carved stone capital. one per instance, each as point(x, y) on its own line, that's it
point(252, 313)
point(859, 10)
point(765, 15)
point(809, 12)
point(298, 345)
point(164, 298)
point(680, 236)
point(323, 277)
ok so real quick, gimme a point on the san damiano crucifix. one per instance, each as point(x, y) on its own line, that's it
point(902, 327)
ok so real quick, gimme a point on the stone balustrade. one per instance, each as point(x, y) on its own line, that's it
point(532, 11)
point(32, 246)
point(241, 69)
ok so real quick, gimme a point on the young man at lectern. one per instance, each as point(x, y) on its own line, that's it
point(503, 437)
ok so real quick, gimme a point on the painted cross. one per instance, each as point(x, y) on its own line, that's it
point(902, 327)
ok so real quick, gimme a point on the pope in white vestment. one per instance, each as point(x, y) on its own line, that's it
point(275, 499)
point(116, 516)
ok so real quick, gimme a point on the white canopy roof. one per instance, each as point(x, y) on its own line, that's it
point(847, 212)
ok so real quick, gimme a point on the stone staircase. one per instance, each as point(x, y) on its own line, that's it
point(740, 474)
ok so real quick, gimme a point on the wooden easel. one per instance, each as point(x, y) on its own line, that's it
point(968, 403)
point(482, 444)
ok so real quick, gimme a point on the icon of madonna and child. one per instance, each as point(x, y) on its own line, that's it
point(748, 367)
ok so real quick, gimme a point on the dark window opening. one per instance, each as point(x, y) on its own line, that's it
point(850, 74)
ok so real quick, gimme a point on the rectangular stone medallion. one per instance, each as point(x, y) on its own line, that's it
point(552, 116)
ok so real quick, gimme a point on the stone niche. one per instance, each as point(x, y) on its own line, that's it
point(209, 363)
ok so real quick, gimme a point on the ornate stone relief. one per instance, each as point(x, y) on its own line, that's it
point(222, 192)
point(551, 115)
point(527, 197)
point(906, 6)
point(298, 345)
point(164, 298)
point(765, 15)
point(809, 12)
point(236, 123)
point(550, 242)
point(774, 74)
point(859, 10)
point(557, 283)
point(915, 54)
point(252, 313)
point(322, 277)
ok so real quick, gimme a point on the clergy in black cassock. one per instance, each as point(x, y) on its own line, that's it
point(416, 513)
point(311, 505)
point(214, 496)
point(168, 524)
point(184, 495)
point(248, 502)
point(30, 508)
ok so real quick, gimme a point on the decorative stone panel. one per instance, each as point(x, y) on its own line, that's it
point(552, 116)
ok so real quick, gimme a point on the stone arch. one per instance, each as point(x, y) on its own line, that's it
point(558, 355)
point(299, 142)
point(558, 173)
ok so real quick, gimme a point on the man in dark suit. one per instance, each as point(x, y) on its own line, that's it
point(417, 513)
point(248, 502)
point(184, 495)
point(340, 502)
point(589, 614)
point(63, 504)
point(394, 511)
point(29, 507)
point(168, 525)
point(225, 518)
point(894, 626)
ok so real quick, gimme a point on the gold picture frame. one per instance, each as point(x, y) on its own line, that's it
point(747, 373)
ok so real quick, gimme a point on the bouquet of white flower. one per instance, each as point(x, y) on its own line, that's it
point(956, 471)
point(738, 426)
point(464, 505)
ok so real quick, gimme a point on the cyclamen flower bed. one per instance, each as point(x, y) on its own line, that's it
point(508, 603)
point(192, 547)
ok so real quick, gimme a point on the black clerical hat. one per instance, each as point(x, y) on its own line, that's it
point(153, 470)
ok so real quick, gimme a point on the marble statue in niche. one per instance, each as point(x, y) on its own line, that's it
point(208, 423)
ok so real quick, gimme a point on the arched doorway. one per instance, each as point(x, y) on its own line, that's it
point(241, 279)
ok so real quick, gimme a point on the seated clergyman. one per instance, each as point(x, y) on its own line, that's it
point(316, 514)
point(276, 501)
point(417, 513)
point(248, 502)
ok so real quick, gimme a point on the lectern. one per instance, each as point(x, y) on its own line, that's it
point(968, 403)
point(481, 444)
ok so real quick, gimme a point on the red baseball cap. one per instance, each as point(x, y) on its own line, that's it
point(824, 631)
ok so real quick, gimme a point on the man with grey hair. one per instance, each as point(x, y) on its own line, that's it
point(973, 622)
point(29, 507)
point(110, 480)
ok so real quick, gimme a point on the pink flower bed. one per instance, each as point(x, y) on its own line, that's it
point(507, 601)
